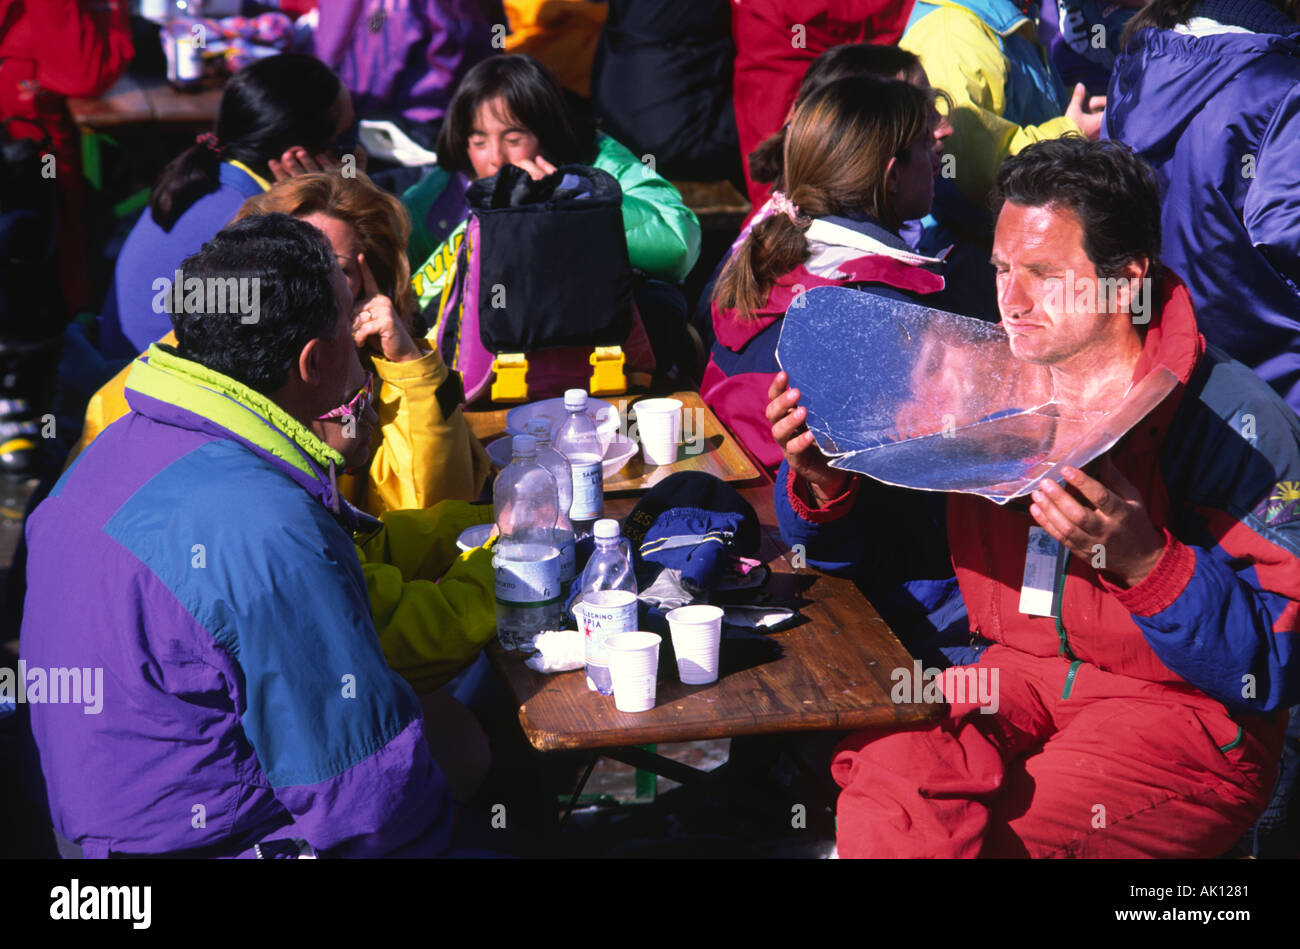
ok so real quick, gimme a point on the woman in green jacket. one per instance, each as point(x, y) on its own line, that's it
point(510, 110)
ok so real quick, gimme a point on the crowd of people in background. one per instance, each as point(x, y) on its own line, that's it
point(236, 479)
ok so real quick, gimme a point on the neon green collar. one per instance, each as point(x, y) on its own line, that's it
point(169, 378)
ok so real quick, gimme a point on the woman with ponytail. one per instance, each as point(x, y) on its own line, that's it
point(767, 161)
point(277, 118)
point(927, 237)
point(859, 161)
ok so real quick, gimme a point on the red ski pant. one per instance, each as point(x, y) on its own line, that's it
point(1104, 766)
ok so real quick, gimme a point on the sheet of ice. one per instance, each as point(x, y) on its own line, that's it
point(926, 399)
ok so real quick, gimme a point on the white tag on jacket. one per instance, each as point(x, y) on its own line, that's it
point(1044, 557)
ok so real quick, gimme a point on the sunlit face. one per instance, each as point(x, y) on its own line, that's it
point(498, 138)
point(347, 248)
point(1033, 249)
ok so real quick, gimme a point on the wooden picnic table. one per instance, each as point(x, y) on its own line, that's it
point(139, 100)
point(833, 671)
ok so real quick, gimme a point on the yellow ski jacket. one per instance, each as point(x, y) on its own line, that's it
point(1005, 94)
point(433, 605)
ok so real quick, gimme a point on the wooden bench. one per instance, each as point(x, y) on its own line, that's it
point(718, 205)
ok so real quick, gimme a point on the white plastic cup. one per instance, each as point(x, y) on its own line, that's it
point(633, 667)
point(697, 637)
point(475, 536)
point(659, 425)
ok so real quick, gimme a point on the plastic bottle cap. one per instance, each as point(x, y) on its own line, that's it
point(539, 427)
point(523, 444)
point(575, 399)
point(605, 529)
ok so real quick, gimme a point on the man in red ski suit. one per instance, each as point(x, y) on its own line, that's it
point(1145, 716)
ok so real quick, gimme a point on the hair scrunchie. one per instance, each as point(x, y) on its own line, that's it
point(208, 140)
point(783, 205)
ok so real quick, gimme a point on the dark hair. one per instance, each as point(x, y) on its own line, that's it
point(293, 264)
point(1166, 14)
point(1111, 190)
point(533, 98)
point(837, 151)
point(271, 105)
point(838, 62)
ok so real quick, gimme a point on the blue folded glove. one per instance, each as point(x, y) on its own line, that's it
point(691, 540)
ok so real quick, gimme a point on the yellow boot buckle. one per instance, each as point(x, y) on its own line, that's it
point(607, 377)
point(510, 382)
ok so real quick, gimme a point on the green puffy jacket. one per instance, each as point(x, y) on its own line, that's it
point(663, 234)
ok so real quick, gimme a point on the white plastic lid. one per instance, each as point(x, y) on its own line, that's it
point(575, 399)
point(605, 529)
point(523, 444)
point(539, 427)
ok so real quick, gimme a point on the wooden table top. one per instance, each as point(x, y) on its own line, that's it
point(706, 444)
point(138, 100)
point(833, 671)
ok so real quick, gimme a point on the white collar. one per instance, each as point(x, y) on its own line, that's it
point(826, 233)
point(1204, 26)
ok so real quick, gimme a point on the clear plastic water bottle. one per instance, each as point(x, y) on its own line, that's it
point(526, 562)
point(608, 603)
point(577, 441)
point(558, 466)
point(183, 40)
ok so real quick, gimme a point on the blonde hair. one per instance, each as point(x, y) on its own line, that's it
point(381, 222)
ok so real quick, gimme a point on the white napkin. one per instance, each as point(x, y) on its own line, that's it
point(558, 650)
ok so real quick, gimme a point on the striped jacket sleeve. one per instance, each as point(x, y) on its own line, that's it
point(1222, 606)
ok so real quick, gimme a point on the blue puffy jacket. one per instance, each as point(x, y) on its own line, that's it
point(1218, 116)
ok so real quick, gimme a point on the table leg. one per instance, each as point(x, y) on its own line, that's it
point(647, 782)
point(128, 206)
point(550, 824)
point(90, 166)
point(582, 783)
point(657, 764)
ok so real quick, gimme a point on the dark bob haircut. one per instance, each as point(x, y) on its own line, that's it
point(293, 299)
point(1111, 190)
point(533, 98)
